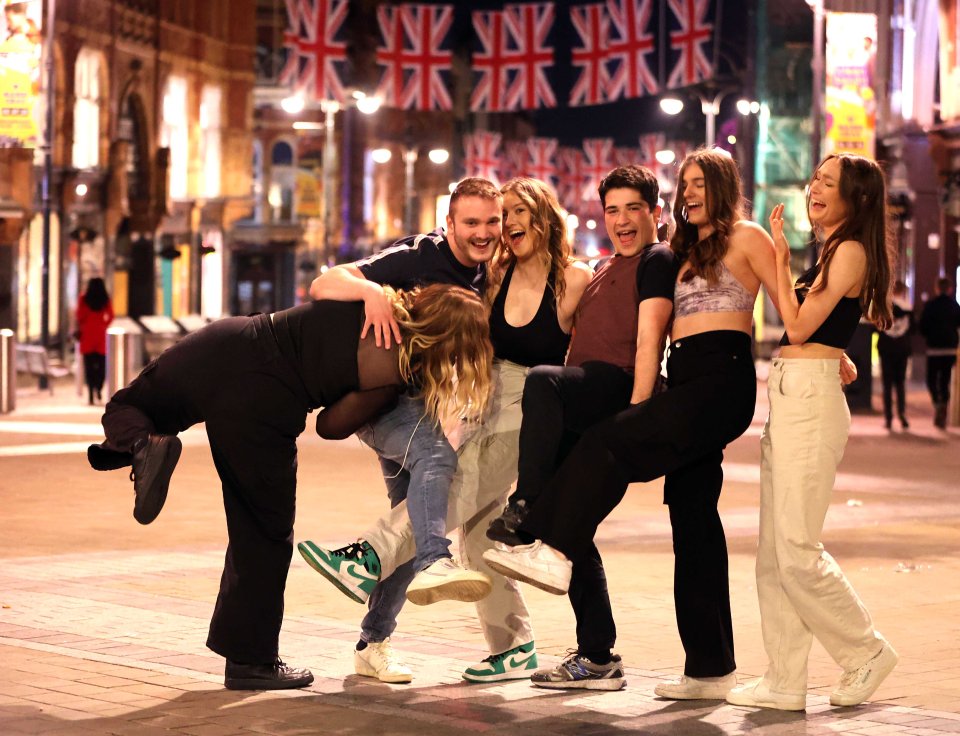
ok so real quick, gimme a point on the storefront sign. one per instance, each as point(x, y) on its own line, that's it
point(851, 104)
point(19, 73)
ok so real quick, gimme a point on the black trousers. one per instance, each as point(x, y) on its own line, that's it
point(559, 404)
point(939, 368)
point(893, 373)
point(94, 370)
point(680, 434)
point(232, 376)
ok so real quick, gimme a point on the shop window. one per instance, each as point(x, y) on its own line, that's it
point(210, 140)
point(283, 180)
point(174, 134)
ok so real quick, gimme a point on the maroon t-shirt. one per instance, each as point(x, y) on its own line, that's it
point(606, 323)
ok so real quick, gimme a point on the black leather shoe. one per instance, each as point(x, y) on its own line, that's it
point(153, 462)
point(272, 676)
point(503, 529)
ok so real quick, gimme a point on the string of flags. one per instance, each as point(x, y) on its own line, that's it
point(574, 172)
point(622, 49)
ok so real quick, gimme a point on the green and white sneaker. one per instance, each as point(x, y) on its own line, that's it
point(513, 664)
point(354, 569)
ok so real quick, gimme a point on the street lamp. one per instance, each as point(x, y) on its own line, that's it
point(366, 104)
point(437, 156)
point(709, 107)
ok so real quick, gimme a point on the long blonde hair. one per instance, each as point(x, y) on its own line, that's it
point(548, 221)
point(445, 349)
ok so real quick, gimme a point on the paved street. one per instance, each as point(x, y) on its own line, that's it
point(103, 621)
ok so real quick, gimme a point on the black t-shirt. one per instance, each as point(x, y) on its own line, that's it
point(421, 260)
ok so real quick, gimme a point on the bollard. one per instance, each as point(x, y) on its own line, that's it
point(124, 358)
point(8, 371)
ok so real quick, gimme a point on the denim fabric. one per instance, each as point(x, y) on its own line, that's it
point(418, 464)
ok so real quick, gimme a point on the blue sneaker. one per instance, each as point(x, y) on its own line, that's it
point(513, 664)
point(578, 672)
point(354, 569)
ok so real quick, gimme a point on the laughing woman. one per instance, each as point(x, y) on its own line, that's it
point(803, 593)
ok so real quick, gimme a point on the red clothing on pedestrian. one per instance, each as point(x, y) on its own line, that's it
point(92, 327)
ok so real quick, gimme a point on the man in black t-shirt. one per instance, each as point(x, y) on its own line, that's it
point(417, 460)
point(614, 361)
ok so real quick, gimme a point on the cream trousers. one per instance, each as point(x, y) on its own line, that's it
point(803, 593)
point(486, 471)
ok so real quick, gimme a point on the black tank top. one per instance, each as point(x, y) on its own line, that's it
point(539, 342)
point(838, 328)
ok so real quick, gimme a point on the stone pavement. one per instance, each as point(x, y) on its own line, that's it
point(103, 621)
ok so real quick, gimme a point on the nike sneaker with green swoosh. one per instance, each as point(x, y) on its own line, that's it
point(354, 569)
point(513, 664)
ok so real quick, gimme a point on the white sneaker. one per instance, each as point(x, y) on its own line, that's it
point(859, 684)
point(756, 694)
point(378, 660)
point(445, 580)
point(697, 688)
point(538, 564)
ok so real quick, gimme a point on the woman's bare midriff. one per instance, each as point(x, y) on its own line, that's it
point(811, 351)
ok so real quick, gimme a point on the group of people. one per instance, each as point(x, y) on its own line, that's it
point(554, 373)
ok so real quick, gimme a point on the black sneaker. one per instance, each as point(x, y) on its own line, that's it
point(272, 676)
point(578, 672)
point(504, 528)
point(153, 462)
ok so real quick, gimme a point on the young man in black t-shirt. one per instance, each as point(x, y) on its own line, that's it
point(417, 460)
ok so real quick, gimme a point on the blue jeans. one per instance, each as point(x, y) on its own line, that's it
point(418, 464)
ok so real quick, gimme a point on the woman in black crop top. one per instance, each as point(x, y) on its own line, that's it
point(802, 591)
point(533, 288)
point(253, 380)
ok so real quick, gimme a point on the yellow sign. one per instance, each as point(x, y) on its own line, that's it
point(19, 74)
point(851, 104)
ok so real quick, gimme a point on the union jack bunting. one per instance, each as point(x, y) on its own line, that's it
point(312, 51)
point(692, 64)
point(626, 156)
point(597, 162)
point(412, 57)
point(513, 61)
point(570, 175)
point(541, 156)
point(482, 155)
point(592, 24)
point(630, 46)
point(515, 160)
point(649, 145)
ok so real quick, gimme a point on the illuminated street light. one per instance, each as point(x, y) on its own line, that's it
point(665, 156)
point(709, 107)
point(381, 155)
point(671, 105)
point(437, 156)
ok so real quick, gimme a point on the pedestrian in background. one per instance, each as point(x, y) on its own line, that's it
point(893, 345)
point(94, 315)
point(939, 323)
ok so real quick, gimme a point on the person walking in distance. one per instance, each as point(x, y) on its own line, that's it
point(939, 323)
point(94, 315)
point(893, 344)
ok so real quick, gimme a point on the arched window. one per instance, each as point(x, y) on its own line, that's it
point(86, 110)
point(210, 139)
point(283, 181)
point(174, 134)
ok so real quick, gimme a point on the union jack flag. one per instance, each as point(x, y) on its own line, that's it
point(598, 160)
point(514, 58)
point(649, 145)
point(542, 153)
point(626, 156)
point(312, 52)
point(692, 65)
point(516, 156)
point(592, 24)
point(411, 54)
point(482, 155)
point(570, 175)
point(630, 45)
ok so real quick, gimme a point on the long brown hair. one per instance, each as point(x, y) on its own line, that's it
point(864, 193)
point(549, 222)
point(445, 348)
point(724, 205)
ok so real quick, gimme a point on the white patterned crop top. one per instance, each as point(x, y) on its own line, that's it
point(699, 295)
